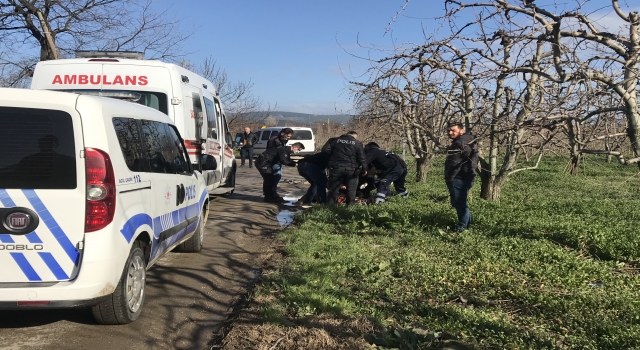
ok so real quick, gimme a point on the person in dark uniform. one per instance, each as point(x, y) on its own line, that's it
point(346, 164)
point(247, 140)
point(265, 162)
point(460, 171)
point(313, 169)
point(393, 168)
point(278, 141)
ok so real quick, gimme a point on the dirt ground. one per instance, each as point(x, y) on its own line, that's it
point(247, 329)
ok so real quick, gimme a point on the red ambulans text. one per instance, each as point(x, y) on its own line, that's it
point(83, 79)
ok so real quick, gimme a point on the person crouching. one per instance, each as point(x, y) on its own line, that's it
point(265, 162)
point(394, 170)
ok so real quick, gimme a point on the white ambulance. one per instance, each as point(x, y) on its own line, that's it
point(187, 98)
point(93, 191)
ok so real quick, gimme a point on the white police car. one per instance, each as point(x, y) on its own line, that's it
point(92, 192)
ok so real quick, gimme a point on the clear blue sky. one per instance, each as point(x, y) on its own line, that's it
point(290, 49)
point(297, 52)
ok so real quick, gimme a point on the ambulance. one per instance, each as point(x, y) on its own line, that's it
point(189, 100)
point(93, 191)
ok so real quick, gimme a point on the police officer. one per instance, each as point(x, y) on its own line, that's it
point(278, 141)
point(393, 168)
point(346, 163)
point(265, 162)
point(313, 169)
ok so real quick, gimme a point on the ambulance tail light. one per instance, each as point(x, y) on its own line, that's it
point(101, 190)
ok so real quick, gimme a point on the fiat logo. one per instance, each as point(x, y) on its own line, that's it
point(18, 221)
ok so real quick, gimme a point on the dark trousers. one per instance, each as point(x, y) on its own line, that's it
point(459, 192)
point(269, 185)
point(317, 180)
point(337, 177)
point(397, 176)
point(246, 152)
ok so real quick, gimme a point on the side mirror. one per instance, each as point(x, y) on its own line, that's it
point(208, 162)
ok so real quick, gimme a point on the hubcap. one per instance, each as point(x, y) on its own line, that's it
point(135, 283)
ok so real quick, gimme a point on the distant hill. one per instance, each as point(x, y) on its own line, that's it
point(289, 118)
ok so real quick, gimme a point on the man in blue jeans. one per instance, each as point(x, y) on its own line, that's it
point(460, 171)
point(313, 169)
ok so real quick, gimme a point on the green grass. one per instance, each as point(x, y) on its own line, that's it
point(551, 265)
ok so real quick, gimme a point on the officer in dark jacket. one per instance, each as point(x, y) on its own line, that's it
point(278, 141)
point(346, 163)
point(266, 161)
point(460, 171)
point(313, 169)
point(247, 140)
point(393, 168)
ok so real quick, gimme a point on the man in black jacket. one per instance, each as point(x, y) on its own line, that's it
point(266, 161)
point(460, 171)
point(346, 163)
point(278, 141)
point(312, 168)
point(393, 168)
point(247, 140)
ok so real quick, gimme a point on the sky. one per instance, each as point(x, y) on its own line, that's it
point(297, 53)
point(300, 54)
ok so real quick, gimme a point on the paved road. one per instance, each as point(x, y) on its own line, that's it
point(189, 296)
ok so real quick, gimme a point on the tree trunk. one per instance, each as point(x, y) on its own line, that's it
point(574, 164)
point(490, 187)
point(422, 166)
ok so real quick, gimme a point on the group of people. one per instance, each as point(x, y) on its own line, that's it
point(344, 164)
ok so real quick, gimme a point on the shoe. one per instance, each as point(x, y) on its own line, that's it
point(404, 194)
point(306, 206)
point(250, 166)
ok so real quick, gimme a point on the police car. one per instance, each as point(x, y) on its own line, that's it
point(93, 191)
point(190, 101)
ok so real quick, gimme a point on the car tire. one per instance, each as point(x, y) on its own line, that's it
point(194, 244)
point(125, 304)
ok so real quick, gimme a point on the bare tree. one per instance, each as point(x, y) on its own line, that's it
point(241, 106)
point(580, 51)
point(38, 30)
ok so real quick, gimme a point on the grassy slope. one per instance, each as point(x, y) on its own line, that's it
point(549, 266)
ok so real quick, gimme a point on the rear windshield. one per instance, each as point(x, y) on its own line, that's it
point(155, 100)
point(301, 135)
point(37, 149)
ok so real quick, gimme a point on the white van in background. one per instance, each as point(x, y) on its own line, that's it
point(300, 134)
point(187, 98)
point(93, 191)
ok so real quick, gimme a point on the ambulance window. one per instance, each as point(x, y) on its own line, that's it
point(211, 119)
point(218, 112)
point(180, 164)
point(228, 140)
point(128, 133)
point(155, 100)
point(37, 149)
point(195, 110)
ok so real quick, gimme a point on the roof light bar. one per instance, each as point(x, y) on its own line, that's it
point(110, 54)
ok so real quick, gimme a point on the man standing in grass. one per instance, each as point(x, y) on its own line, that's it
point(460, 171)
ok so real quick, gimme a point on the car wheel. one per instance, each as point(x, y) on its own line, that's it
point(125, 304)
point(194, 244)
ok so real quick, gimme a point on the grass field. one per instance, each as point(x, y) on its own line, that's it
point(553, 264)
